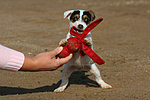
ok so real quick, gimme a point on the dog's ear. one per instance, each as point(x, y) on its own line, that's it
point(92, 14)
point(68, 13)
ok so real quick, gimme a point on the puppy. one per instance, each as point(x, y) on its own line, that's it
point(80, 19)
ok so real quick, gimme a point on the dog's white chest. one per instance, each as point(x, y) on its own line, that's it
point(79, 61)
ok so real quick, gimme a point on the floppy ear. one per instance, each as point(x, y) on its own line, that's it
point(92, 13)
point(68, 13)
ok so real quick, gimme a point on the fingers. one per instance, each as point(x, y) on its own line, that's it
point(58, 62)
point(56, 51)
point(64, 60)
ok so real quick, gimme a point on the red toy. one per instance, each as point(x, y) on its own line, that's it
point(77, 43)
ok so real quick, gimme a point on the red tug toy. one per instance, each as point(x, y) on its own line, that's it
point(77, 43)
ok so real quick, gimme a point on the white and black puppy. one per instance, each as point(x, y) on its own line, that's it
point(80, 19)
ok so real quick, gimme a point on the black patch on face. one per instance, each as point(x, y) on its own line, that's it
point(75, 16)
point(87, 17)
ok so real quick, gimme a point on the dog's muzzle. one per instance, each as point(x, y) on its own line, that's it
point(80, 28)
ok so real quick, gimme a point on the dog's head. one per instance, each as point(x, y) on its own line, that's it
point(79, 18)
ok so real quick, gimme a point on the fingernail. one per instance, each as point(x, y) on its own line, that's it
point(60, 49)
point(71, 54)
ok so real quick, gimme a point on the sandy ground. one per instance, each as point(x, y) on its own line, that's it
point(122, 40)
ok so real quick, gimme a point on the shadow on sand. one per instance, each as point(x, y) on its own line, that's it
point(76, 78)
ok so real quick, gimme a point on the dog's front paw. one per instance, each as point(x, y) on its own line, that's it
point(88, 41)
point(63, 42)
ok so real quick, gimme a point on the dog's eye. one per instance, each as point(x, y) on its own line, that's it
point(86, 20)
point(75, 19)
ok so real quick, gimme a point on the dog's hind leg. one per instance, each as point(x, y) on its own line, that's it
point(65, 76)
point(94, 70)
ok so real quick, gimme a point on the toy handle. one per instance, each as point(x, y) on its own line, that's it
point(91, 26)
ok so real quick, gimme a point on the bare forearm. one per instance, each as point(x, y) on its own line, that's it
point(29, 65)
point(45, 61)
point(13, 60)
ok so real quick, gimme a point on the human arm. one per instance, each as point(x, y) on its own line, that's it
point(10, 59)
point(45, 61)
point(13, 60)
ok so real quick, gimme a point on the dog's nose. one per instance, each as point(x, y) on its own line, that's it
point(80, 26)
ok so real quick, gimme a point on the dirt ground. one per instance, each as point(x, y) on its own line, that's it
point(122, 40)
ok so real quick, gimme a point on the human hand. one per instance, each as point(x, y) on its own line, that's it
point(45, 61)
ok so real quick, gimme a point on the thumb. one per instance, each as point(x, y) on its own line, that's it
point(56, 51)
